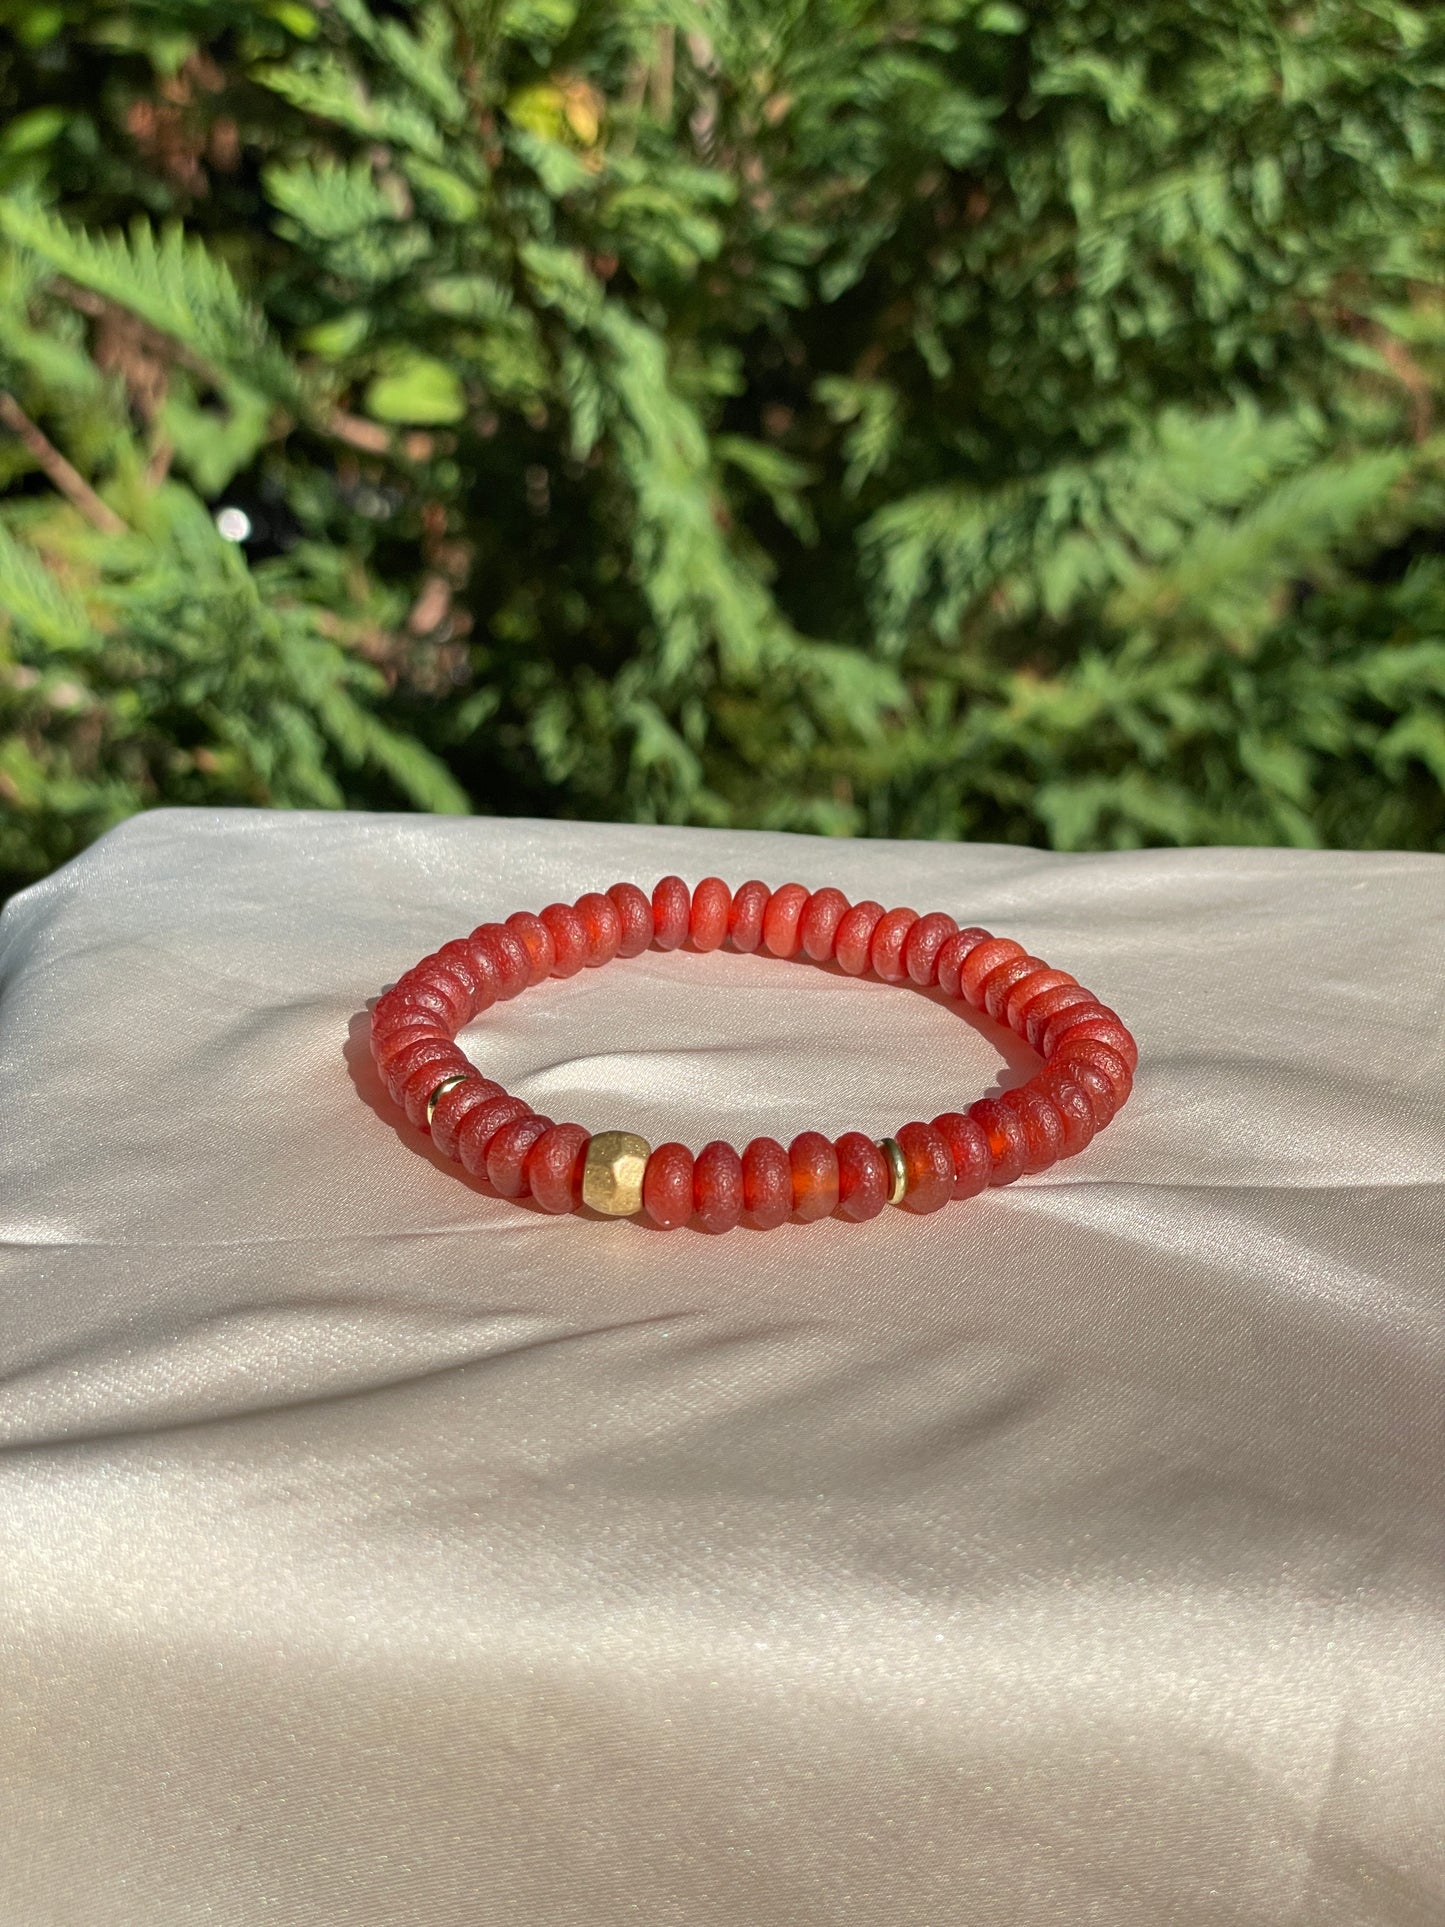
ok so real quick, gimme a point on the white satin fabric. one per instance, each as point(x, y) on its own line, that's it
point(373, 1550)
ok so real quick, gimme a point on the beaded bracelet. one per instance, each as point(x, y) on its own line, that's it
point(1089, 1060)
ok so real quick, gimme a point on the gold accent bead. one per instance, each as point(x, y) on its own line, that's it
point(457, 1077)
point(897, 1168)
point(612, 1173)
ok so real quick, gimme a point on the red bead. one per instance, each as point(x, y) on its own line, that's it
point(1049, 1003)
point(781, 919)
point(459, 960)
point(634, 908)
point(923, 943)
point(968, 1147)
point(1093, 1083)
point(745, 919)
point(421, 996)
point(667, 1186)
point(671, 913)
point(1008, 1148)
point(954, 954)
point(854, 936)
point(818, 925)
point(995, 988)
point(603, 927)
point(396, 1011)
point(814, 1165)
point(712, 903)
point(412, 1057)
point(1043, 1127)
point(717, 1186)
point(554, 1167)
point(1076, 1112)
point(441, 990)
point(536, 939)
point(502, 948)
point(930, 1167)
point(1021, 997)
point(386, 1043)
point(863, 1177)
point(1088, 1050)
point(1102, 1025)
point(980, 961)
point(453, 1107)
point(885, 953)
point(767, 1183)
point(507, 1154)
point(480, 1126)
point(569, 938)
point(417, 1087)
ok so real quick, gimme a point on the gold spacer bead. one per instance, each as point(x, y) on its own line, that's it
point(897, 1168)
point(612, 1173)
point(457, 1077)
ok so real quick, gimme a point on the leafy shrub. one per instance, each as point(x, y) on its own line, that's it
point(946, 419)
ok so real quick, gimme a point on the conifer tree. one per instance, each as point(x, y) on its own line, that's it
point(943, 419)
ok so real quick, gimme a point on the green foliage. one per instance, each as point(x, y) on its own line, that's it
point(944, 419)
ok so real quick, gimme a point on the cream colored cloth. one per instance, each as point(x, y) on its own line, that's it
point(376, 1551)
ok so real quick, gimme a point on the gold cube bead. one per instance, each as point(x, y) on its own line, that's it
point(612, 1173)
point(897, 1168)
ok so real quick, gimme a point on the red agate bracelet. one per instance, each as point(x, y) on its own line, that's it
point(1089, 1059)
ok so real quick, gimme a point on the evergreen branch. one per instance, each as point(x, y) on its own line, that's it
point(71, 483)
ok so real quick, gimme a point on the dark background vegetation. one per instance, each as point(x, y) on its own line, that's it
point(952, 419)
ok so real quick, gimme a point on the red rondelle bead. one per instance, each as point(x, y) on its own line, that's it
point(1043, 1127)
point(818, 925)
point(717, 1186)
point(667, 1186)
point(767, 1183)
point(814, 1165)
point(1088, 1050)
point(480, 1126)
point(745, 919)
point(923, 943)
point(854, 936)
point(954, 953)
point(1008, 1148)
point(634, 908)
point(863, 1177)
point(505, 950)
point(536, 939)
point(507, 1154)
point(979, 962)
point(712, 901)
point(417, 1088)
point(1096, 1088)
point(569, 938)
point(997, 986)
point(930, 1167)
point(885, 952)
point(452, 1109)
point(671, 913)
point(1071, 1101)
point(554, 1167)
point(1021, 997)
point(968, 1147)
point(1048, 1004)
point(781, 919)
point(411, 1057)
point(603, 926)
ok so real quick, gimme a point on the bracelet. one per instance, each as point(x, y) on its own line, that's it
point(1089, 1060)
